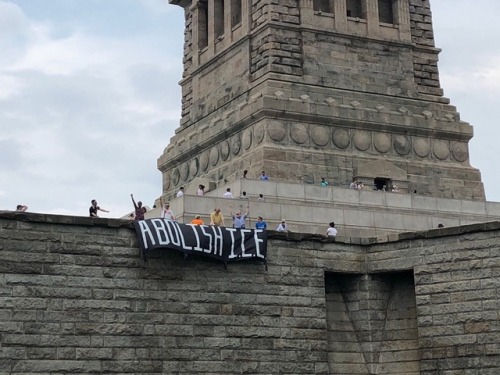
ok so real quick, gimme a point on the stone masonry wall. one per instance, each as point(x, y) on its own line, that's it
point(75, 297)
point(425, 60)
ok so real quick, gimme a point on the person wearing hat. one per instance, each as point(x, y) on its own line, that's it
point(283, 226)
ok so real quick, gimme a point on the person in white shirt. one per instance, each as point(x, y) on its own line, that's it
point(331, 231)
point(180, 193)
point(283, 226)
point(228, 193)
point(201, 190)
point(166, 212)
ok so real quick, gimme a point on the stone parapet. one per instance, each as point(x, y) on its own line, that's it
point(309, 208)
point(75, 297)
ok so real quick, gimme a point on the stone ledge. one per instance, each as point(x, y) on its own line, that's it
point(36, 217)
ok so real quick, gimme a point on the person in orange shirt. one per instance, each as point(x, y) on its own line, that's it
point(197, 220)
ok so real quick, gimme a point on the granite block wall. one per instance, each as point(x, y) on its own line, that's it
point(75, 297)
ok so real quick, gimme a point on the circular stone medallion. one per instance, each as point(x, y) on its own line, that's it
point(204, 161)
point(247, 139)
point(194, 166)
point(258, 133)
point(184, 171)
point(382, 142)
point(235, 144)
point(166, 181)
point(341, 139)
point(441, 149)
point(422, 147)
point(214, 156)
point(224, 150)
point(320, 135)
point(362, 140)
point(298, 132)
point(459, 152)
point(176, 176)
point(276, 131)
point(402, 144)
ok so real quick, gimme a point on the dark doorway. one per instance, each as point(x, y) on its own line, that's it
point(381, 183)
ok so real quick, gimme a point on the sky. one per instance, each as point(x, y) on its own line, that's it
point(89, 96)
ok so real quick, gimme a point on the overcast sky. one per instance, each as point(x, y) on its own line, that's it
point(89, 96)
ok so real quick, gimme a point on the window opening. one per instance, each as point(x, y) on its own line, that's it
point(385, 11)
point(235, 12)
point(219, 18)
point(354, 8)
point(322, 6)
point(202, 24)
point(380, 183)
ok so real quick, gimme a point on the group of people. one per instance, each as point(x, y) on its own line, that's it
point(138, 214)
point(238, 218)
point(357, 185)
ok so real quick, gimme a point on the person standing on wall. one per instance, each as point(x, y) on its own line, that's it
point(216, 218)
point(238, 218)
point(260, 224)
point(139, 210)
point(94, 208)
point(166, 212)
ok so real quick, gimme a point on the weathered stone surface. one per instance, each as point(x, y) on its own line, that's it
point(401, 307)
point(289, 77)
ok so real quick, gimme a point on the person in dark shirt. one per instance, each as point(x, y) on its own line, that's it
point(94, 208)
point(139, 209)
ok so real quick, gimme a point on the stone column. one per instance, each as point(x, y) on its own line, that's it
point(195, 11)
point(211, 27)
point(340, 12)
point(306, 12)
point(372, 20)
point(402, 18)
point(228, 27)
